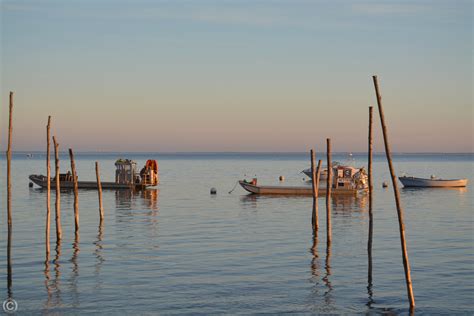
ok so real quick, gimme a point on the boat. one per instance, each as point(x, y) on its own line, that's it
point(126, 177)
point(346, 181)
point(324, 171)
point(323, 175)
point(432, 182)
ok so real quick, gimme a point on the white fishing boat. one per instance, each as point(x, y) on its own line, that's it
point(432, 182)
point(346, 181)
point(324, 171)
point(322, 176)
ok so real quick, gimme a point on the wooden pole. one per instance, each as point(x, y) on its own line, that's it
point(315, 183)
point(314, 217)
point(76, 197)
point(406, 263)
point(99, 190)
point(48, 187)
point(9, 195)
point(59, 231)
point(371, 187)
point(9, 160)
point(328, 191)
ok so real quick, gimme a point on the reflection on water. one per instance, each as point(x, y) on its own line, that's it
point(73, 279)
point(9, 265)
point(345, 203)
point(327, 295)
point(99, 256)
point(52, 285)
point(238, 254)
point(132, 199)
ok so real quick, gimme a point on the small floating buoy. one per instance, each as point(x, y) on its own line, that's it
point(282, 178)
point(385, 184)
point(213, 191)
point(30, 184)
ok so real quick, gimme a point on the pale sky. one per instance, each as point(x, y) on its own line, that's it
point(241, 75)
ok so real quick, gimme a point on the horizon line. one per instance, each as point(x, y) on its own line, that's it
point(238, 152)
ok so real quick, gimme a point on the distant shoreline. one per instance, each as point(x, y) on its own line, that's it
point(240, 153)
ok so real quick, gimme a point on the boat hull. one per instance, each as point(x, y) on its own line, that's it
point(287, 190)
point(432, 183)
point(42, 182)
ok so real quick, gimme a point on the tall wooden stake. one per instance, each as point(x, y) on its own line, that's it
point(76, 197)
point(9, 160)
point(314, 217)
point(9, 195)
point(371, 187)
point(315, 197)
point(99, 190)
point(328, 191)
point(59, 231)
point(48, 187)
point(406, 263)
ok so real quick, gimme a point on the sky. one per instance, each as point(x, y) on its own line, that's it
point(278, 76)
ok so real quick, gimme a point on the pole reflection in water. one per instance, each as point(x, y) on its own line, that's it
point(53, 285)
point(57, 274)
point(98, 254)
point(9, 265)
point(47, 281)
point(75, 271)
point(327, 282)
point(314, 260)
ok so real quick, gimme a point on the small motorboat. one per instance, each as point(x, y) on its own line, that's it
point(126, 177)
point(347, 180)
point(323, 176)
point(432, 182)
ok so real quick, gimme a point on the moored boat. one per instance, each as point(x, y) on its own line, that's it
point(432, 182)
point(126, 177)
point(346, 181)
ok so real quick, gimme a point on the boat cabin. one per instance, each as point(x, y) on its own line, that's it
point(127, 173)
point(348, 178)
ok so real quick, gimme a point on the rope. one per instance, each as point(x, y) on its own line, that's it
point(234, 187)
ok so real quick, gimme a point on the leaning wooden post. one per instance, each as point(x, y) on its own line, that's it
point(99, 190)
point(48, 187)
point(371, 187)
point(9, 159)
point(59, 231)
point(76, 197)
point(328, 191)
point(406, 263)
point(314, 217)
point(316, 191)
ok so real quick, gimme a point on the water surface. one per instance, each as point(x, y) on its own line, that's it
point(177, 249)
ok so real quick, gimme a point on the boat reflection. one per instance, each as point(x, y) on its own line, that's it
point(339, 203)
point(135, 199)
point(342, 204)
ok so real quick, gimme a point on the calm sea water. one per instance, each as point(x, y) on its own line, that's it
point(180, 250)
